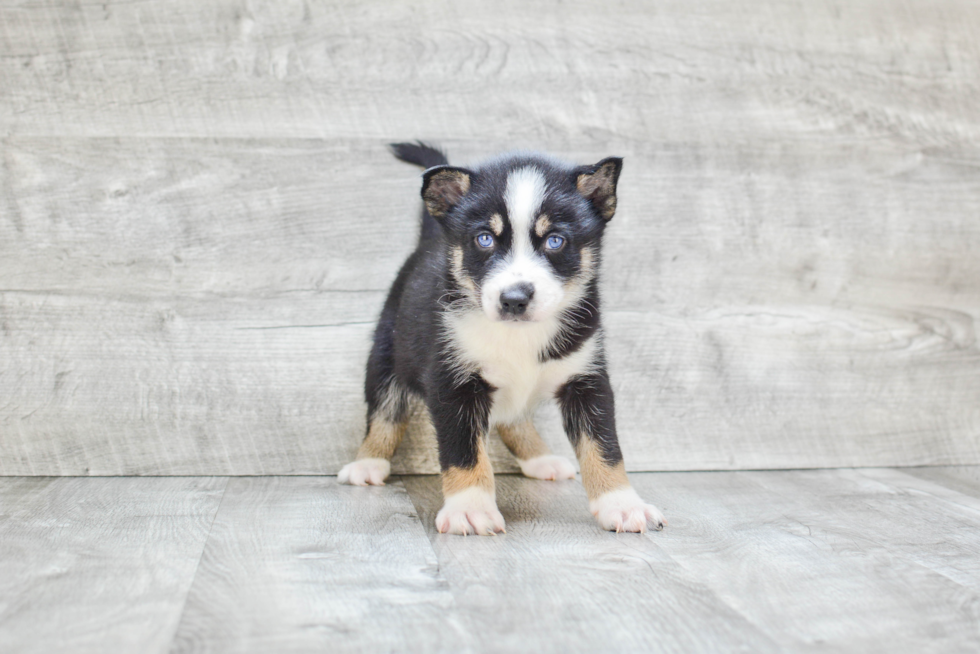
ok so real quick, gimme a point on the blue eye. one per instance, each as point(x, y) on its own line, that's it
point(554, 242)
point(484, 240)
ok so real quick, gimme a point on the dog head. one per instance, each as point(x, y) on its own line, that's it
point(523, 232)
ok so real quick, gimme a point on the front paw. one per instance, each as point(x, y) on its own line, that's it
point(365, 472)
point(472, 511)
point(623, 510)
point(549, 467)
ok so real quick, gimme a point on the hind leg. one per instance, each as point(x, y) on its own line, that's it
point(386, 420)
point(372, 465)
point(385, 429)
point(533, 454)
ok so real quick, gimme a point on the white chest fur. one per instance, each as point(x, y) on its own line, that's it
point(507, 355)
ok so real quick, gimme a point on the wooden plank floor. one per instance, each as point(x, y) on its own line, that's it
point(99, 564)
point(862, 560)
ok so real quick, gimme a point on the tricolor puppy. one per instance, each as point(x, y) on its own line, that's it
point(495, 311)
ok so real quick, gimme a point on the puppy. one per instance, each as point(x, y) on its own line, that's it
point(496, 310)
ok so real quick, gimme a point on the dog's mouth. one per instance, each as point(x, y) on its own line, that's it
point(509, 317)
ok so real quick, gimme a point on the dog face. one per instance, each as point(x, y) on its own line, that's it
point(523, 232)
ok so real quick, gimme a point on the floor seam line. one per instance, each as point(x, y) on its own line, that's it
point(200, 557)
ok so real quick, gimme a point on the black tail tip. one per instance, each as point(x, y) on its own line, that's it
point(418, 153)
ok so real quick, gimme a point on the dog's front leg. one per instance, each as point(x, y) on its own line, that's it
point(588, 414)
point(460, 411)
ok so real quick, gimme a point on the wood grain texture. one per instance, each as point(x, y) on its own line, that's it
point(557, 583)
point(834, 560)
point(841, 560)
point(863, 561)
point(99, 565)
point(304, 564)
point(720, 72)
point(962, 479)
point(199, 221)
point(229, 337)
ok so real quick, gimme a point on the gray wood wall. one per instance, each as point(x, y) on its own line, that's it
point(199, 221)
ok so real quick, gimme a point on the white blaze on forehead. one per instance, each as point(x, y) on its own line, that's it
point(525, 193)
point(526, 188)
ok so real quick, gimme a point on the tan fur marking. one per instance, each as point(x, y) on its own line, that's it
point(542, 225)
point(598, 476)
point(464, 183)
point(589, 184)
point(600, 186)
point(587, 265)
point(456, 479)
point(382, 439)
point(497, 224)
point(587, 269)
point(609, 209)
point(523, 440)
point(464, 280)
point(444, 190)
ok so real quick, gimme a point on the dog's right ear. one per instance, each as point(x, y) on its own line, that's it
point(443, 187)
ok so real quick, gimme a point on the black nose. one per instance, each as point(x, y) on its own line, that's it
point(516, 298)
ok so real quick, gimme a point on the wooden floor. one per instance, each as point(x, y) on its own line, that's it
point(862, 560)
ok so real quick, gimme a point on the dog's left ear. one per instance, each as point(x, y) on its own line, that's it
point(443, 187)
point(598, 185)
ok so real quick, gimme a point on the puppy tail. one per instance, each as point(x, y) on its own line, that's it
point(419, 153)
point(422, 154)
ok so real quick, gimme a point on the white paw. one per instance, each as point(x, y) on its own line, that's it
point(365, 472)
point(623, 510)
point(472, 511)
point(548, 466)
